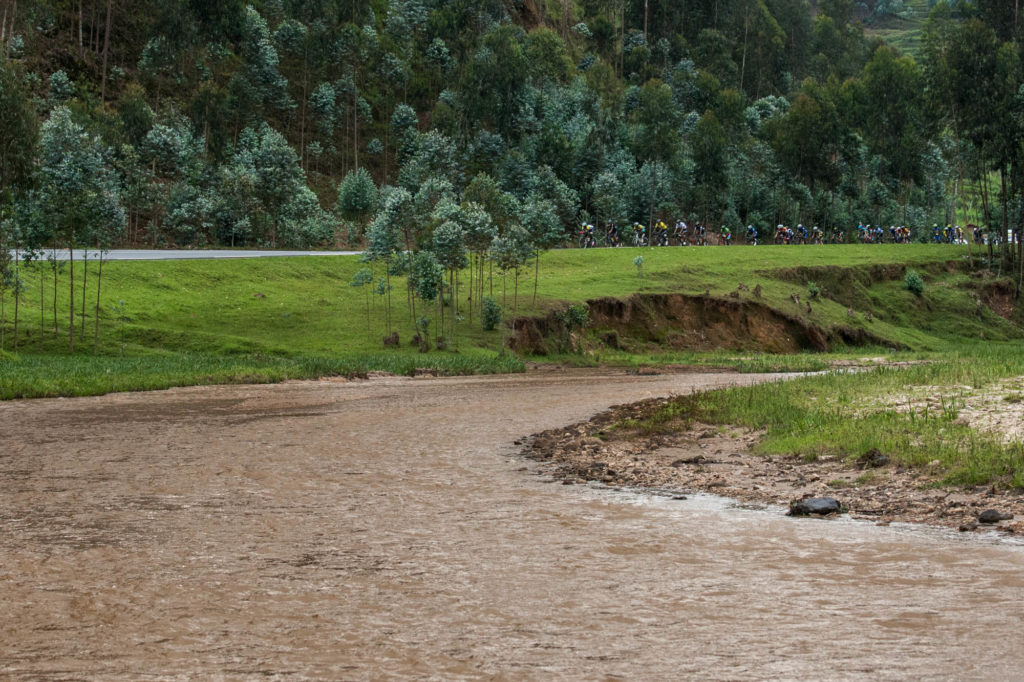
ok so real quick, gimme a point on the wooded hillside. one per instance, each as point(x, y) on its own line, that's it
point(300, 122)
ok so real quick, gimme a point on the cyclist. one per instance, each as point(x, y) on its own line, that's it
point(801, 233)
point(701, 235)
point(725, 236)
point(639, 235)
point(680, 232)
point(660, 235)
point(611, 234)
point(587, 239)
point(817, 236)
point(751, 235)
point(936, 233)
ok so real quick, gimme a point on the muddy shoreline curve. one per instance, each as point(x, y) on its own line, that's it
point(719, 460)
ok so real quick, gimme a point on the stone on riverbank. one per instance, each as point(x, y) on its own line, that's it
point(815, 506)
point(993, 516)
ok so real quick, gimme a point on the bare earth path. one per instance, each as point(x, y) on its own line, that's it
point(385, 529)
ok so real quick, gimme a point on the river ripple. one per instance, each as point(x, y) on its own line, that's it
point(388, 529)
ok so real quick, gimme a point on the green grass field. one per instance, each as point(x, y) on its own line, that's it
point(268, 319)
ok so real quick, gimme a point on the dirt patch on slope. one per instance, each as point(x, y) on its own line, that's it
point(719, 460)
point(1000, 297)
point(682, 322)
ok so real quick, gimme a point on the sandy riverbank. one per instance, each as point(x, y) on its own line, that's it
point(719, 460)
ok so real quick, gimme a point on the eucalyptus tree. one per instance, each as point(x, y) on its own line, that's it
point(7, 278)
point(502, 209)
point(384, 236)
point(540, 219)
point(479, 233)
point(427, 276)
point(362, 280)
point(18, 134)
point(511, 250)
point(357, 198)
point(449, 246)
point(258, 88)
point(266, 163)
point(77, 190)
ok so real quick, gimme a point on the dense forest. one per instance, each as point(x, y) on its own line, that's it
point(507, 122)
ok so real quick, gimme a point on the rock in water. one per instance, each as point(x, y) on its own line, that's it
point(816, 506)
point(993, 516)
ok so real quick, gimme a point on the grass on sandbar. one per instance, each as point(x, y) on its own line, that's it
point(846, 414)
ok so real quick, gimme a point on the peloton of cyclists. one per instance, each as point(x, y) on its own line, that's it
point(695, 234)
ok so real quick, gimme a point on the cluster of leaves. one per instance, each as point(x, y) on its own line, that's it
point(481, 132)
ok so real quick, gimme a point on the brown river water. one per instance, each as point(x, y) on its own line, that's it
point(389, 529)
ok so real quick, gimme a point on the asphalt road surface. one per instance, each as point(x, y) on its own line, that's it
point(192, 254)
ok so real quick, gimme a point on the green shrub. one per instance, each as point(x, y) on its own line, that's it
point(492, 314)
point(813, 290)
point(576, 316)
point(914, 282)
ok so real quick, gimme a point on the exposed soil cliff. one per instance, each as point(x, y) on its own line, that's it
point(682, 322)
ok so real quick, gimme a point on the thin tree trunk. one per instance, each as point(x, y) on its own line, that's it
point(85, 283)
point(94, 31)
point(106, 54)
point(96, 327)
point(17, 300)
point(55, 328)
point(515, 295)
point(743, 60)
point(355, 126)
point(71, 285)
point(387, 278)
point(80, 49)
point(42, 302)
point(368, 333)
point(536, 277)
point(1006, 226)
point(302, 112)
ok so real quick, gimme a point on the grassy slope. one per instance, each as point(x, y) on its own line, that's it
point(903, 32)
point(276, 318)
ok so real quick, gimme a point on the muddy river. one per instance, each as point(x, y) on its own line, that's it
point(388, 529)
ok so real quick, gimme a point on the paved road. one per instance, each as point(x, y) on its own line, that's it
point(194, 254)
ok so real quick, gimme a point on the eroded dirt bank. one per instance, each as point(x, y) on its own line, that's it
point(685, 322)
point(718, 460)
point(387, 529)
